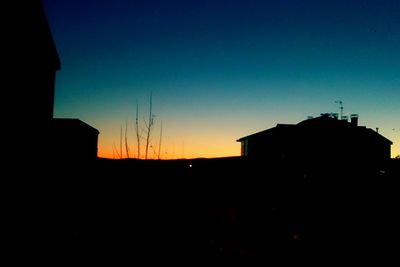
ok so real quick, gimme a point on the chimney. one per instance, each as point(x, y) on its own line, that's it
point(354, 119)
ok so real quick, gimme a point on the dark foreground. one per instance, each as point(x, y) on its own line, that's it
point(227, 211)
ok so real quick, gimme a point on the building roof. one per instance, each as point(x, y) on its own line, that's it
point(34, 35)
point(271, 131)
point(73, 124)
point(325, 123)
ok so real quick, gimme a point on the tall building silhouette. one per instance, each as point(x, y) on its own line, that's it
point(33, 67)
point(36, 62)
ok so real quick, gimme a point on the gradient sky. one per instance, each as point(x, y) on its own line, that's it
point(220, 70)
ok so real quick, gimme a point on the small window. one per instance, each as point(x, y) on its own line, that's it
point(245, 148)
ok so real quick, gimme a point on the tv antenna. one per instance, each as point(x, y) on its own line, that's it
point(340, 102)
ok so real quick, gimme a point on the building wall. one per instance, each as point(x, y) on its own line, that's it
point(35, 63)
point(338, 148)
point(74, 144)
point(39, 93)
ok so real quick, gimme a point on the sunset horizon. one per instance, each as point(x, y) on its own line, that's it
point(228, 132)
point(220, 70)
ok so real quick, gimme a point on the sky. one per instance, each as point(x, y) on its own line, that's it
point(219, 70)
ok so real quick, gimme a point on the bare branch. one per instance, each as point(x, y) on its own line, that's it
point(149, 125)
point(115, 150)
point(159, 143)
point(137, 130)
point(126, 139)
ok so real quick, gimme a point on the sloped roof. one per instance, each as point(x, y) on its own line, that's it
point(377, 135)
point(322, 122)
point(73, 124)
point(278, 128)
point(34, 35)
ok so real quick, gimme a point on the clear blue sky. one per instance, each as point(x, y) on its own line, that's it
point(220, 70)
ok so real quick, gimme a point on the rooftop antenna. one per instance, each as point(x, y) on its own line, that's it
point(340, 102)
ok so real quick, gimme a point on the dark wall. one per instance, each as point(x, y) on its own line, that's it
point(74, 145)
point(324, 145)
point(35, 62)
point(29, 67)
point(42, 84)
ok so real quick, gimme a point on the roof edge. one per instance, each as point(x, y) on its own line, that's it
point(78, 121)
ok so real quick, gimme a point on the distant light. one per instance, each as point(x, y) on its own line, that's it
point(295, 237)
point(190, 165)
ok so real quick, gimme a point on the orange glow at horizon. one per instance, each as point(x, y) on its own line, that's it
point(184, 150)
point(182, 153)
point(199, 139)
point(171, 149)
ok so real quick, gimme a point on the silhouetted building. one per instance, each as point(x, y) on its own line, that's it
point(31, 63)
point(37, 61)
point(325, 138)
point(73, 139)
point(33, 75)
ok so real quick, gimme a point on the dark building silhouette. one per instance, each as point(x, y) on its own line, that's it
point(36, 62)
point(325, 138)
point(31, 62)
point(74, 139)
point(33, 68)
